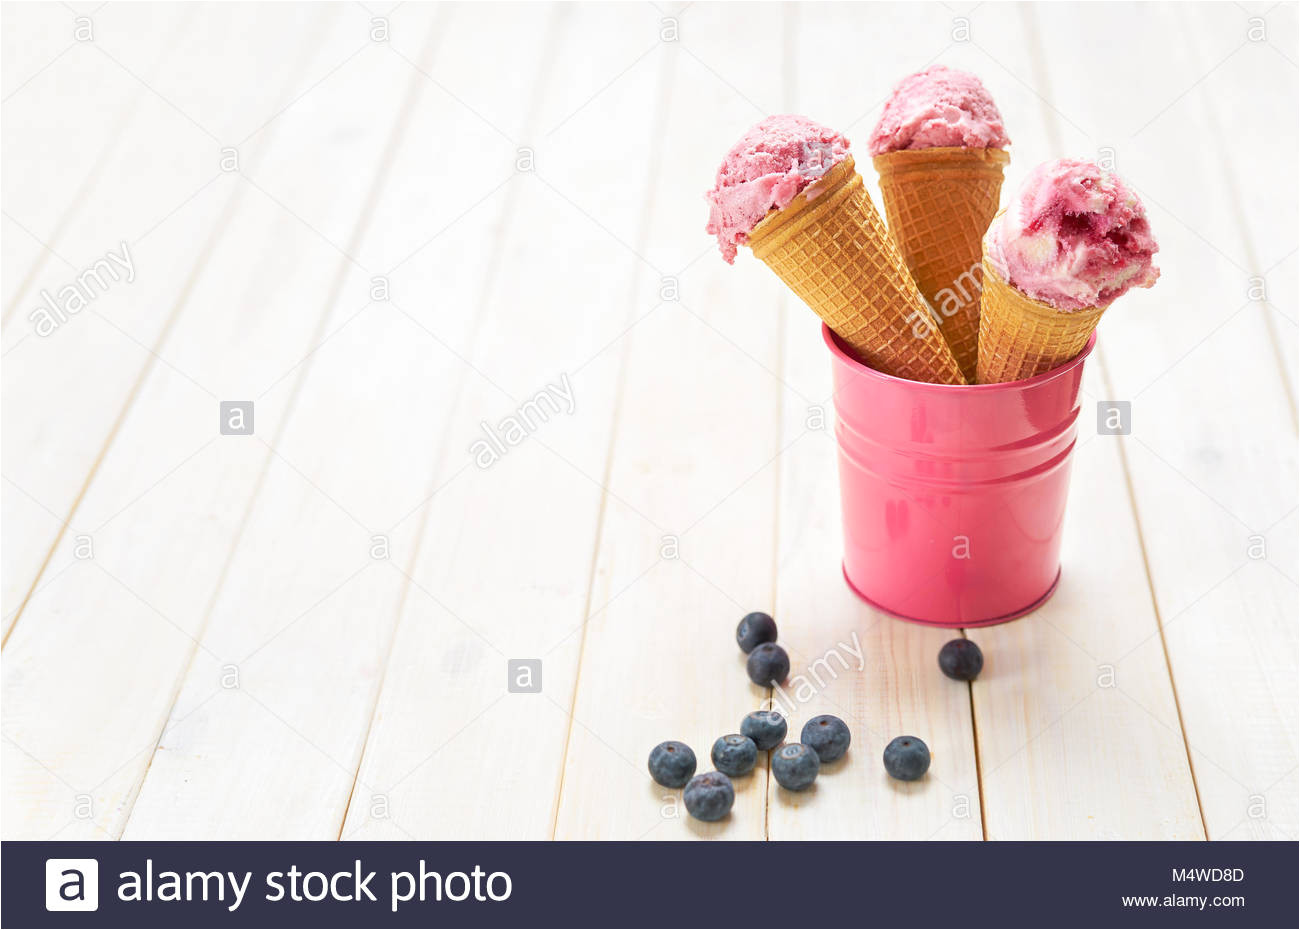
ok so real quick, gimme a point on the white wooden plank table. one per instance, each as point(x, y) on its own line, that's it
point(440, 212)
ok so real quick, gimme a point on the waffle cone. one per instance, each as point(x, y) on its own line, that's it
point(939, 203)
point(831, 248)
point(1021, 337)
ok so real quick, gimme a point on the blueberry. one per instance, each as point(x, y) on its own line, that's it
point(768, 663)
point(961, 659)
point(757, 628)
point(795, 766)
point(765, 727)
point(734, 755)
point(907, 758)
point(672, 764)
point(709, 796)
point(827, 735)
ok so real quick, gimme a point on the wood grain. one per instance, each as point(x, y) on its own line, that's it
point(505, 560)
point(1212, 459)
point(126, 623)
point(692, 480)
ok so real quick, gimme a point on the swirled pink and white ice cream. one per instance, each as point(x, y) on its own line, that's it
point(772, 163)
point(936, 107)
point(1074, 236)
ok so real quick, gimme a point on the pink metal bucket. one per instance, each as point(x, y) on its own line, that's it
point(953, 496)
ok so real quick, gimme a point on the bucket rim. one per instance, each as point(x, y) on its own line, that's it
point(864, 371)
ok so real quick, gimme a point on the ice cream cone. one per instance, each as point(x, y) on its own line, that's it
point(1021, 337)
point(830, 246)
point(939, 203)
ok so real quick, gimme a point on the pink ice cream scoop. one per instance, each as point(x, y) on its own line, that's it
point(772, 163)
point(939, 107)
point(1074, 236)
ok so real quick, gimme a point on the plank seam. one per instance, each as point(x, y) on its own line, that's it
point(782, 304)
point(91, 181)
point(1034, 42)
point(444, 440)
point(290, 404)
point(979, 767)
point(789, 53)
point(82, 196)
point(153, 357)
point(1247, 242)
point(663, 103)
point(1155, 607)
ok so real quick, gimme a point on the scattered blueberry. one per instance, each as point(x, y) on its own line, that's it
point(754, 630)
point(795, 766)
point(961, 659)
point(765, 727)
point(768, 663)
point(734, 755)
point(709, 796)
point(906, 758)
point(827, 735)
point(672, 764)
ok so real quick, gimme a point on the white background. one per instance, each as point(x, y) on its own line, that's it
point(230, 661)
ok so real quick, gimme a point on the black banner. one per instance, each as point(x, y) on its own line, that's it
point(285, 884)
